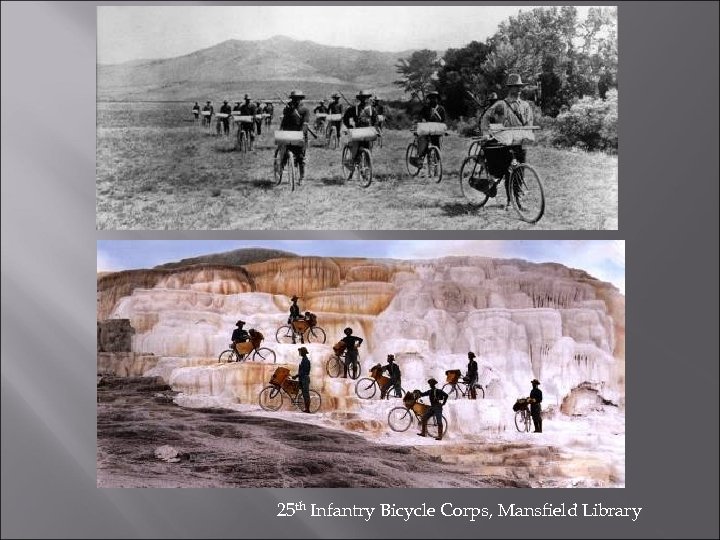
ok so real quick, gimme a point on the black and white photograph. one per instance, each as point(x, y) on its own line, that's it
point(357, 118)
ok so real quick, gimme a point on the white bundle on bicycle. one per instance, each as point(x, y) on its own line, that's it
point(431, 128)
point(321, 116)
point(221, 115)
point(363, 134)
point(205, 113)
point(512, 135)
point(243, 119)
point(334, 117)
point(289, 138)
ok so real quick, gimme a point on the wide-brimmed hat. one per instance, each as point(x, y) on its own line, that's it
point(432, 93)
point(296, 94)
point(302, 350)
point(534, 381)
point(514, 80)
point(247, 96)
point(363, 93)
point(294, 298)
point(432, 381)
point(391, 357)
point(335, 95)
point(239, 323)
point(471, 354)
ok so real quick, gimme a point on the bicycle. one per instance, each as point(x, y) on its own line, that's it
point(362, 162)
point(461, 388)
point(305, 329)
point(271, 397)
point(332, 133)
point(335, 366)
point(366, 387)
point(248, 350)
point(523, 186)
point(432, 155)
point(285, 162)
point(244, 140)
point(401, 418)
point(523, 418)
point(320, 123)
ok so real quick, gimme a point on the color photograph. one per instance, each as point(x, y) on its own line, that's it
point(301, 118)
point(358, 363)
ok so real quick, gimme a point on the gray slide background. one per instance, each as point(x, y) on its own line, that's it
point(668, 216)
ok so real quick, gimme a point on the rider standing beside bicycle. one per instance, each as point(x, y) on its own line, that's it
point(362, 115)
point(395, 375)
point(296, 117)
point(208, 108)
point(510, 112)
point(437, 401)
point(335, 107)
point(351, 348)
point(535, 407)
point(432, 111)
point(303, 375)
point(225, 109)
point(472, 374)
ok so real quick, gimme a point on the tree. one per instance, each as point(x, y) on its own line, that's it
point(463, 74)
point(417, 72)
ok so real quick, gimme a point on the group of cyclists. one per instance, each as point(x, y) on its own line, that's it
point(261, 113)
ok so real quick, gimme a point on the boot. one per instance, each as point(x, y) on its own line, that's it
point(307, 405)
point(423, 432)
point(440, 434)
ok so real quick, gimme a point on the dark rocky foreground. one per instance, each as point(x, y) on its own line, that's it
point(223, 448)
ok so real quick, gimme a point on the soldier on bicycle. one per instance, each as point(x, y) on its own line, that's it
point(208, 108)
point(437, 401)
point(335, 107)
point(225, 109)
point(351, 349)
point(432, 111)
point(248, 109)
point(395, 375)
point(239, 335)
point(472, 374)
point(363, 114)
point(296, 117)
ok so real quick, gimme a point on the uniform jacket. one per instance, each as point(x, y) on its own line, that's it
point(433, 114)
point(294, 118)
point(393, 371)
point(239, 335)
point(437, 397)
point(304, 369)
point(362, 116)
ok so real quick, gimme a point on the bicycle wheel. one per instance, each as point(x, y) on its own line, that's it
point(365, 167)
point(315, 401)
point(270, 398)
point(380, 138)
point(365, 388)
point(528, 421)
point(432, 426)
point(480, 391)
point(315, 334)
point(226, 356)
point(434, 160)
point(265, 355)
point(333, 367)
point(526, 193)
point(472, 172)
point(348, 165)
point(411, 152)
point(284, 334)
point(277, 167)
point(474, 148)
point(399, 419)
point(520, 421)
point(354, 370)
point(451, 390)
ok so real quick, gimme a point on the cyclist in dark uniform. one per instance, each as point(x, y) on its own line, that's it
point(296, 117)
point(535, 407)
point(207, 119)
point(437, 401)
point(225, 109)
point(472, 375)
point(351, 352)
point(248, 109)
point(196, 111)
point(259, 110)
point(335, 107)
point(361, 115)
point(432, 111)
point(269, 110)
point(303, 375)
point(393, 371)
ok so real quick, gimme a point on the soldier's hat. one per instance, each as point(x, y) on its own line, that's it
point(208, 101)
point(297, 94)
point(514, 80)
point(471, 354)
point(364, 93)
point(237, 103)
point(431, 381)
point(294, 298)
point(335, 95)
point(534, 381)
point(391, 357)
point(225, 102)
point(432, 93)
point(239, 323)
point(492, 95)
point(302, 350)
point(247, 96)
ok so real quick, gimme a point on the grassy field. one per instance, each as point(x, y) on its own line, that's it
point(157, 170)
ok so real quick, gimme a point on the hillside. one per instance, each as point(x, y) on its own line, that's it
point(262, 68)
point(236, 257)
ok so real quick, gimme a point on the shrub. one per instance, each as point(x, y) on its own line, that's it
point(590, 124)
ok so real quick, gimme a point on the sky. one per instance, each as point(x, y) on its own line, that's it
point(141, 32)
point(603, 259)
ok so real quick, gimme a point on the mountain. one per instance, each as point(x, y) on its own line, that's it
point(262, 68)
point(237, 257)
